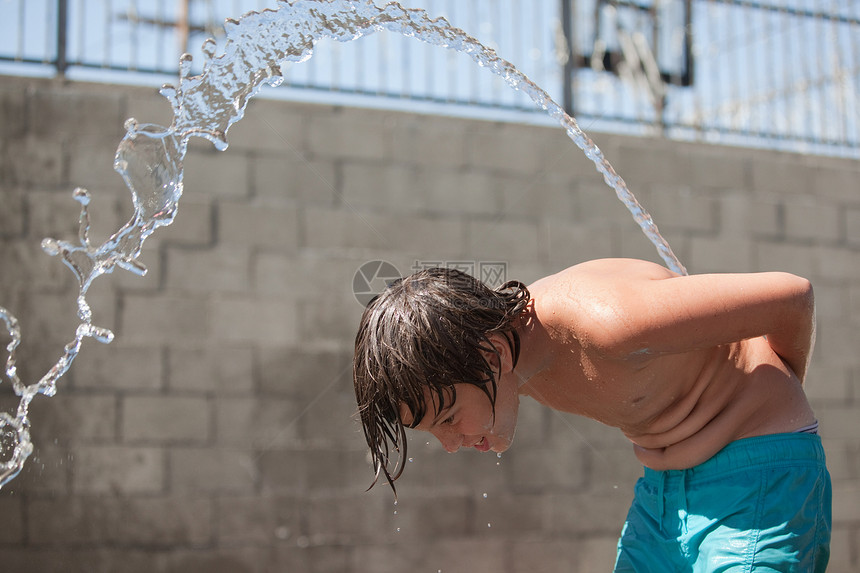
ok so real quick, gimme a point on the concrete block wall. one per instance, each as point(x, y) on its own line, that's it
point(216, 433)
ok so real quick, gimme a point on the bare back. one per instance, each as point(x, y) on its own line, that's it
point(680, 364)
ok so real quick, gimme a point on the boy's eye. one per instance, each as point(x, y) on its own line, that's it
point(449, 420)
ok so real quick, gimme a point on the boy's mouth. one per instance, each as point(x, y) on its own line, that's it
point(483, 445)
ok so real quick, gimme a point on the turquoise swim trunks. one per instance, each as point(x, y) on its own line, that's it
point(760, 505)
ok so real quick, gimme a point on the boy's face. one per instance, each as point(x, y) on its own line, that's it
point(468, 421)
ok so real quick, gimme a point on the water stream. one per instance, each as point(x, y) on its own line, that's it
point(149, 158)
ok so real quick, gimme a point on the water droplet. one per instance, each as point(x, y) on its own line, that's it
point(282, 532)
point(485, 495)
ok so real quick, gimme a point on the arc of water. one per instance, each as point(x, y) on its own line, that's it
point(149, 157)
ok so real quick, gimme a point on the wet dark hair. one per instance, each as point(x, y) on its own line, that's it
point(427, 330)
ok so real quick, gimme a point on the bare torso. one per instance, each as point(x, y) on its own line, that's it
point(678, 406)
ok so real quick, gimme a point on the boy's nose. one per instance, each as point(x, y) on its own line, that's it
point(450, 441)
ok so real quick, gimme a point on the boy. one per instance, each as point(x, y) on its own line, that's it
point(702, 373)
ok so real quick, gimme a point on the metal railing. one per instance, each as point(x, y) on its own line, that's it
point(775, 73)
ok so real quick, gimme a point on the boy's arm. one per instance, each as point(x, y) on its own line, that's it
point(674, 314)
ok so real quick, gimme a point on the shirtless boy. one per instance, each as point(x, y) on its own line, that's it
point(702, 373)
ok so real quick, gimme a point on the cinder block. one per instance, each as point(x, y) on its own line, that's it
point(165, 419)
point(842, 549)
point(333, 418)
point(283, 472)
point(836, 344)
point(47, 470)
point(650, 162)
point(303, 373)
point(722, 254)
point(561, 156)
point(836, 181)
point(336, 470)
point(260, 520)
point(147, 106)
point(192, 226)
point(466, 192)
point(437, 142)
point(13, 216)
point(838, 264)
point(839, 421)
point(846, 503)
point(12, 510)
point(536, 554)
point(825, 382)
point(503, 240)
point(223, 370)
point(852, 226)
point(204, 470)
point(268, 322)
point(224, 269)
point(785, 175)
point(508, 514)
point(335, 322)
point(798, 259)
point(559, 467)
point(716, 167)
point(678, 207)
point(744, 216)
point(67, 520)
point(54, 215)
point(356, 518)
point(545, 196)
point(809, 220)
point(74, 418)
point(572, 243)
point(75, 114)
point(119, 366)
point(258, 424)
point(32, 161)
point(267, 126)
point(173, 319)
point(597, 553)
point(309, 554)
point(350, 229)
point(382, 187)
point(207, 559)
point(633, 243)
point(598, 203)
point(216, 174)
point(264, 226)
point(13, 109)
point(505, 147)
point(348, 134)
point(474, 555)
point(120, 470)
point(159, 521)
point(92, 166)
point(294, 177)
point(306, 275)
point(601, 512)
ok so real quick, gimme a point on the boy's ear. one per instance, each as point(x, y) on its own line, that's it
point(503, 347)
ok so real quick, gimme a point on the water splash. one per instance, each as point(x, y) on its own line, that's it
point(149, 157)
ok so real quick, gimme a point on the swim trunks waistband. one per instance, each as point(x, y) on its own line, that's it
point(770, 450)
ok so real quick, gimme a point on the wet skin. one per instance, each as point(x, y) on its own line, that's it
point(680, 364)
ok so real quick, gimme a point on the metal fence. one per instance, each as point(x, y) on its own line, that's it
point(774, 73)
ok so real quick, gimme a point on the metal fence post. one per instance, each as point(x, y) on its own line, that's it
point(62, 22)
point(568, 66)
